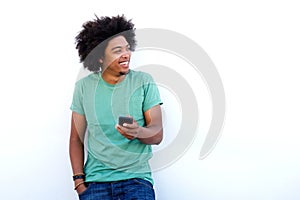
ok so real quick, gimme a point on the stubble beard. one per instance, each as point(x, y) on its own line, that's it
point(123, 73)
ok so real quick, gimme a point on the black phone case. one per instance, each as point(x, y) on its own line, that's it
point(127, 120)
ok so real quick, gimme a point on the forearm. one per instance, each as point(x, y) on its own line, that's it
point(78, 127)
point(76, 156)
point(77, 162)
point(151, 135)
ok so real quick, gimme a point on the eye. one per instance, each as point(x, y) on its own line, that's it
point(118, 51)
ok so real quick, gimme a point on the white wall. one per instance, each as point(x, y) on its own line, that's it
point(255, 46)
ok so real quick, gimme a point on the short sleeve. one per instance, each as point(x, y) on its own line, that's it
point(77, 102)
point(151, 94)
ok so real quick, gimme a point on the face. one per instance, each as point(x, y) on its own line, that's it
point(116, 57)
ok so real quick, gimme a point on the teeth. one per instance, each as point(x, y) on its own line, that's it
point(124, 63)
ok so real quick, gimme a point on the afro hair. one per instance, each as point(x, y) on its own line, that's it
point(92, 40)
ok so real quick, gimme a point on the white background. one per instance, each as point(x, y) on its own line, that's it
point(255, 46)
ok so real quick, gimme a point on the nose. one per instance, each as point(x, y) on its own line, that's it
point(125, 56)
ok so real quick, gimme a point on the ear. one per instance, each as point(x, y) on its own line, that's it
point(101, 60)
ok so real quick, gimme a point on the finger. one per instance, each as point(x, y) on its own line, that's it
point(131, 126)
point(122, 128)
point(119, 129)
point(124, 133)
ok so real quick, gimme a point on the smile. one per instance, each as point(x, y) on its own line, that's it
point(125, 63)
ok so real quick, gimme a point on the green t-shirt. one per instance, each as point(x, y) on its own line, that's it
point(112, 157)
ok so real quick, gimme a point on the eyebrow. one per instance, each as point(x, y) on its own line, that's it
point(120, 47)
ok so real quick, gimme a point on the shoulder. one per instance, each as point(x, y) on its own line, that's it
point(87, 80)
point(87, 84)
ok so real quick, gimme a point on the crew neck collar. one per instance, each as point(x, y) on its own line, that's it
point(113, 85)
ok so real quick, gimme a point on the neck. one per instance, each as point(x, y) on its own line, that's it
point(112, 79)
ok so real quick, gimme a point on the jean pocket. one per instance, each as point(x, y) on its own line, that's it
point(143, 182)
point(88, 187)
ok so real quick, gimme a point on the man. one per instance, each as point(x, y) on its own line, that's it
point(117, 165)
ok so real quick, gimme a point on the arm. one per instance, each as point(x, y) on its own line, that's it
point(151, 134)
point(78, 128)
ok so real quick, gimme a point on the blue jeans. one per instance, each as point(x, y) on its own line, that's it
point(131, 189)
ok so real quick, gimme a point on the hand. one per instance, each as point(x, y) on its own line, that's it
point(81, 188)
point(130, 131)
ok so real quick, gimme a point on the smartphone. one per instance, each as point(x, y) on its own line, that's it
point(127, 120)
